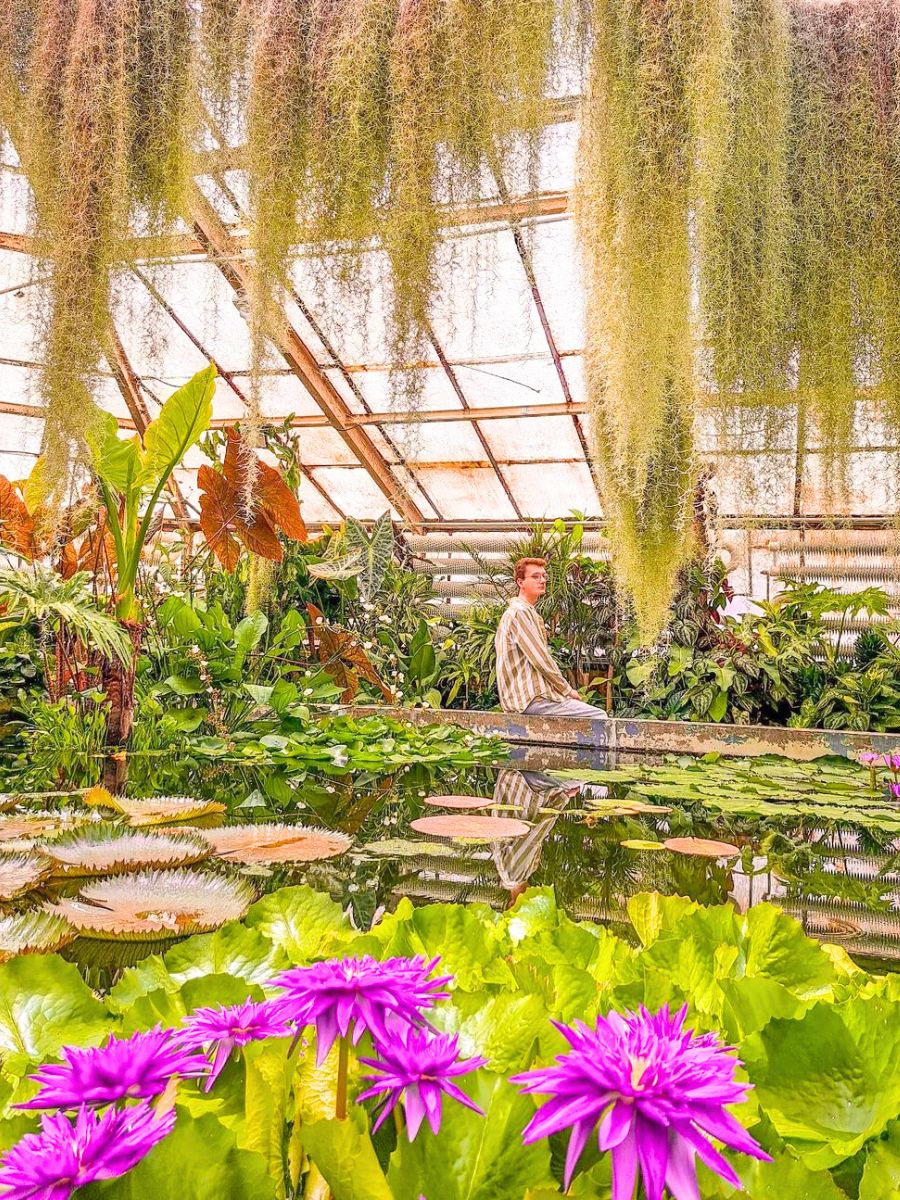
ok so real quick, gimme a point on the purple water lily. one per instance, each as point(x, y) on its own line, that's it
point(895, 790)
point(221, 1030)
point(658, 1092)
point(361, 992)
point(67, 1154)
point(418, 1066)
point(133, 1068)
point(869, 759)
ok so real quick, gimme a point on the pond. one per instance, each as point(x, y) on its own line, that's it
point(819, 840)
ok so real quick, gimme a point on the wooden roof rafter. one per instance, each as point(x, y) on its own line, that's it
point(226, 375)
point(210, 228)
point(479, 432)
point(525, 257)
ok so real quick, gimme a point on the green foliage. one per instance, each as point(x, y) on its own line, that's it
point(132, 475)
point(99, 103)
point(60, 605)
point(818, 1036)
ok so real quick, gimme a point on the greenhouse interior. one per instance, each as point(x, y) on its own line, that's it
point(449, 599)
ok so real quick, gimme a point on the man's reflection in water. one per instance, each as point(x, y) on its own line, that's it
point(523, 795)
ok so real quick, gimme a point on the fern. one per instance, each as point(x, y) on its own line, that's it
point(39, 594)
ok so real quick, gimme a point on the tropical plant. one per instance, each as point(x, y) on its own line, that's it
point(233, 1130)
point(71, 626)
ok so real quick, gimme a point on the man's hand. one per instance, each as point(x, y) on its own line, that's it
point(573, 694)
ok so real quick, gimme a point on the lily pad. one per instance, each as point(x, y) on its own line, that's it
point(400, 848)
point(20, 873)
point(109, 850)
point(33, 933)
point(701, 847)
point(471, 826)
point(161, 810)
point(642, 844)
point(275, 843)
point(151, 905)
point(459, 802)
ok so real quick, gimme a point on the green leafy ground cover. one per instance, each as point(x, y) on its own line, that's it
point(827, 790)
point(820, 1039)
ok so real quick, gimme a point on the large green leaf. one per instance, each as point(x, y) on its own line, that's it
point(234, 950)
point(247, 635)
point(343, 1153)
point(473, 1157)
point(268, 1069)
point(45, 1005)
point(784, 1179)
point(200, 1160)
point(831, 1080)
point(470, 949)
point(302, 923)
point(881, 1174)
point(115, 460)
point(502, 1028)
point(182, 421)
point(374, 552)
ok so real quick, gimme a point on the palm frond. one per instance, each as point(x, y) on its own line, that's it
point(39, 594)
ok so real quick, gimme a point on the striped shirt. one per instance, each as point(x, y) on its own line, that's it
point(517, 859)
point(525, 668)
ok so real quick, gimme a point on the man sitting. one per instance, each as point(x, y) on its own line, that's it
point(528, 680)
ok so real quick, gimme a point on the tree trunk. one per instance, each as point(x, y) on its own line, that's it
point(118, 684)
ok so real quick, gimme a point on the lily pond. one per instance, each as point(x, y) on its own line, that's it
point(107, 880)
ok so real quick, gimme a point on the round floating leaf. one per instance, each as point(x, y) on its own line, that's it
point(275, 843)
point(18, 829)
point(155, 904)
point(400, 848)
point(20, 873)
point(473, 827)
point(641, 844)
point(109, 850)
point(33, 933)
point(625, 808)
point(701, 847)
point(160, 810)
point(461, 802)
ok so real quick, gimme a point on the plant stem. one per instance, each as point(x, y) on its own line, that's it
point(340, 1101)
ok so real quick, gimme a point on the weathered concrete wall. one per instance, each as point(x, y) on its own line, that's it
point(655, 737)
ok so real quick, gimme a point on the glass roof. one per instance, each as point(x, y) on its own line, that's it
point(501, 431)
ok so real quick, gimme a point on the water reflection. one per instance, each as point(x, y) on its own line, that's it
point(842, 883)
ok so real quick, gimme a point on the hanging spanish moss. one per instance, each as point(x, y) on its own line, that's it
point(743, 248)
point(103, 128)
point(368, 117)
point(845, 159)
point(650, 159)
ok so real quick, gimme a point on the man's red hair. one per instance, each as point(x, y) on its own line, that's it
point(523, 564)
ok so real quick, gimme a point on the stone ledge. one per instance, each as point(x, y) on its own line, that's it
point(630, 734)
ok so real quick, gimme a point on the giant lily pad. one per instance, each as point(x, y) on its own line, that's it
point(109, 850)
point(33, 933)
point(151, 905)
point(20, 873)
point(701, 847)
point(157, 810)
point(471, 826)
point(459, 802)
point(17, 830)
point(275, 843)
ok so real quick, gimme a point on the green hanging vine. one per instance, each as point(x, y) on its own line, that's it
point(99, 107)
point(650, 158)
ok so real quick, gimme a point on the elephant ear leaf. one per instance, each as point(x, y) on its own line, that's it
point(16, 523)
point(115, 460)
point(375, 552)
point(183, 420)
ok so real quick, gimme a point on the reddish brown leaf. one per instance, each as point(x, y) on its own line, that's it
point(260, 538)
point(344, 658)
point(16, 525)
point(218, 510)
point(279, 504)
point(271, 495)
